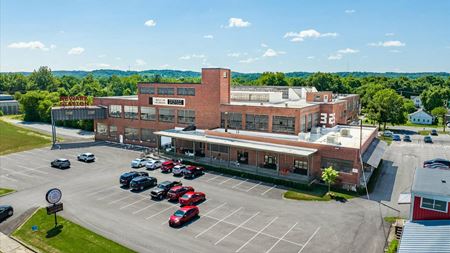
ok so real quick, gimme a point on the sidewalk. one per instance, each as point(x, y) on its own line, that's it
point(8, 245)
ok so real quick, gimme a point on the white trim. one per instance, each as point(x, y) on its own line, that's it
point(431, 209)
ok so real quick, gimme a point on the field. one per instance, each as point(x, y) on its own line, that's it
point(15, 139)
point(66, 237)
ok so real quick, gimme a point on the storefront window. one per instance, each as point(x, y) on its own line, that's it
point(148, 113)
point(166, 115)
point(337, 164)
point(113, 131)
point(115, 111)
point(186, 116)
point(301, 167)
point(131, 112)
point(218, 148)
point(270, 162)
point(102, 129)
point(166, 91)
point(147, 90)
point(234, 120)
point(147, 135)
point(282, 124)
point(186, 91)
point(131, 134)
point(256, 122)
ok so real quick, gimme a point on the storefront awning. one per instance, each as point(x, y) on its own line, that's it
point(200, 136)
point(374, 152)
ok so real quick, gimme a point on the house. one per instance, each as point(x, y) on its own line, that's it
point(428, 229)
point(417, 101)
point(8, 105)
point(421, 117)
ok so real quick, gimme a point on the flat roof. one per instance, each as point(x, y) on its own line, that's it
point(425, 237)
point(432, 181)
point(200, 136)
point(132, 97)
point(301, 103)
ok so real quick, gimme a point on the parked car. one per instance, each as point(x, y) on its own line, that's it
point(125, 178)
point(183, 215)
point(153, 164)
point(143, 182)
point(176, 192)
point(436, 160)
point(178, 170)
point(437, 166)
point(139, 162)
point(191, 198)
point(61, 163)
point(86, 157)
point(428, 139)
point(167, 166)
point(388, 133)
point(160, 192)
point(407, 138)
point(434, 132)
point(193, 171)
point(396, 137)
point(5, 212)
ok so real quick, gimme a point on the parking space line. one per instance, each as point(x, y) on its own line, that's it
point(10, 178)
point(142, 209)
point(306, 243)
point(237, 227)
point(212, 210)
point(117, 200)
point(255, 235)
point(239, 183)
point(213, 225)
point(227, 180)
point(123, 207)
point(31, 169)
point(249, 189)
point(100, 190)
point(160, 212)
point(281, 238)
point(268, 189)
point(108, 195)
point(214, 178)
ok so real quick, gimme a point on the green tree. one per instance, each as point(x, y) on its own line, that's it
point(43, 79)
point(409, 106)
point(29, 103)
point(272, 79)
point(387, 107)
point(440, 112)
point(435, 97)
point(329, 176)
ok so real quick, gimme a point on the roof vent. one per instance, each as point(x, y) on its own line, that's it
point(443, 181)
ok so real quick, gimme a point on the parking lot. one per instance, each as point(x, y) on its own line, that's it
point(239, 215)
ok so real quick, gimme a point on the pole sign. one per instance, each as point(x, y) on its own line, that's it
point(73, 101)
point(53, 197)
point(54, 208)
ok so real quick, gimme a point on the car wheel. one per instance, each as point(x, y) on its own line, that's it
point(142, 188)
point(60, 167)
point(160, 197)
point(10, 213)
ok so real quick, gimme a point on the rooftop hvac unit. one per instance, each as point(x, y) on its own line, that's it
point(332, 139)
point(301, 136)
point(345, 132)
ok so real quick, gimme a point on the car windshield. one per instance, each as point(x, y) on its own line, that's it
point(186, 196)
point(179, 213)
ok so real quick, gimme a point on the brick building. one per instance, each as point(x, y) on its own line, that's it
point(287, 132)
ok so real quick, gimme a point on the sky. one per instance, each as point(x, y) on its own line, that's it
point(245, 36)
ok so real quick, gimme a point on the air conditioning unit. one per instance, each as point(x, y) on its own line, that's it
point(345, 132)
point(332, 139)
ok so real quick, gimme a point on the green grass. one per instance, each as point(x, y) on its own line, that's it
point(4, 191)
point(391, 219)
point(393, 246)
point(317, 194)
point(68, 237)
point(15, 139)
point(388, 140)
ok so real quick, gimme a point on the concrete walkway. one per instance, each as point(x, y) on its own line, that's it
point(8, 245)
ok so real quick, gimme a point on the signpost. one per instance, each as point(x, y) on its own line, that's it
point(53, 197)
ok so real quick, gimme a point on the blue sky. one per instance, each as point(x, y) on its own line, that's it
point(246, 36)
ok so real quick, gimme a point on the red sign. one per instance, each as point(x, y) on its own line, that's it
point(73, 101)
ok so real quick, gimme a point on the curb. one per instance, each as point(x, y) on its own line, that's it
point(20, 241)
point(5, 194)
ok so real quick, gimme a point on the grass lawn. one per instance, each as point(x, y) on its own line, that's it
point(318, 194)
point(388, 140)
point(4, 191)
point(393, 246)
point(15, 139)
point(66, 237)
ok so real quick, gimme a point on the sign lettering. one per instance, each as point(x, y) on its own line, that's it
point(73, 101)
point(326, 118)
point(167, 101)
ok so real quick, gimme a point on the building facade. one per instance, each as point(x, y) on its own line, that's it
point(421, 117)
point(8, 105)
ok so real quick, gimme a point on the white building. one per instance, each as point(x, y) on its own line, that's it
point(417, 101)
point(421, 117)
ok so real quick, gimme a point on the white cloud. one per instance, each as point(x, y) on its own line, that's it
point(238, 22)
point(348, 51)
point(29, 45)
point(140, 62)
point(390, 43)
point(395, 51)
point(209, 36)
point(389, 34)
point(188, 57)
point(311, 57)
point(234, 54)
point(150, 23)
point(264, 45)
point(101, 56)
point(310, 33)
point(271, 53)
point(335, 57)
point(249, 60)
point(76, 51)
point(52, 46)
point(350, 11)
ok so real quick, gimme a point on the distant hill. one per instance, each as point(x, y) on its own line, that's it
point(247, 76)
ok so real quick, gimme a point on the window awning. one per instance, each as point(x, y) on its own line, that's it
point(374, 152)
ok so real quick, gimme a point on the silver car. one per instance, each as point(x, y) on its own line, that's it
point(153, 164)
point(139, 162)
point(86, 157)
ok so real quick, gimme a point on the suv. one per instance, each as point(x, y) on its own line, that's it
point(434, 132)
point(167, 166)
point(176, 192)
point(60, 163)
point(142, 182)
point(161, 190)
point(193, 171)
point(125, 178)
point(5, 212)
point(86, 157)
point(153, 164)
point(427, 139)
point(139, 162)
point(178, 170)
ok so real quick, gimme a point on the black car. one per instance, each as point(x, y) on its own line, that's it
point(434, 132)
point(437, 161)
point(407, 138)
point(142, 182)
point(428, 139)
point(161, 190)
point(193, 171)
point(5, 212)
point(61, 163)
point(125, 178)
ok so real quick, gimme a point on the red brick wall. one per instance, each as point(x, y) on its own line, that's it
point(426, 214)
point(311, 96)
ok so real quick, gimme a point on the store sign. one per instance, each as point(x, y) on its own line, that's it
point(327, 118)
point(73, 101)
point(53, 196)
point(54, 208)
point(167, 101)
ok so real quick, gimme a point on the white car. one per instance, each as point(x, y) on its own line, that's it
point(86, 157)
point(139, 162)
point(153, 164)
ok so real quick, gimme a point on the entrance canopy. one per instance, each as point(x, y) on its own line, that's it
point(374, 153)
point(200, 136)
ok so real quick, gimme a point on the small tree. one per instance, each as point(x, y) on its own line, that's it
point(329, 175)
point(440, 112)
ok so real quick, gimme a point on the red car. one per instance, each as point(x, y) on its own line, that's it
point(193, 171)
point(190, 198)
point(167, 166)
point(177, 191)
point(183, 215)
